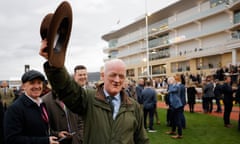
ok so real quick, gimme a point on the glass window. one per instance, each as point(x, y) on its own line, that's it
point(236, 17)
point(130, 73)
point(214, 3)
point(159, 69)
point(180, 66)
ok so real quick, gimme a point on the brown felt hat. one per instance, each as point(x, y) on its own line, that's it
point(56, 28)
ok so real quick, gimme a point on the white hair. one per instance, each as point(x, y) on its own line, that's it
point(114, 62)
point(171, 79)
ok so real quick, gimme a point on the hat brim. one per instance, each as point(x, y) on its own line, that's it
point(58, 33)
point(45, 25)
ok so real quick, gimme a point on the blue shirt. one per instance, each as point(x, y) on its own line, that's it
point(116, 103)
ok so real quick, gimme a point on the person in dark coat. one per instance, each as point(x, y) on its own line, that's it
point(191, 94)
point(149, 97)
point(227, 91)
point(138, 90)
point(1, 123)
point(218, 95)
point(26, 120)
point(62, 120)
point(237, 99)
point(208, 95)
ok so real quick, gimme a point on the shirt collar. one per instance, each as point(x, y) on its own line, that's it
point(38, 101)
point(117, 96)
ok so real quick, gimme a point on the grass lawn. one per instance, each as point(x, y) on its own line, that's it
point(201, 129)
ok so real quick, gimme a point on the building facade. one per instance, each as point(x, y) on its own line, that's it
point(187, 37)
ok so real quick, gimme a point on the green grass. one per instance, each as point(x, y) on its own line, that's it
point(201, 129)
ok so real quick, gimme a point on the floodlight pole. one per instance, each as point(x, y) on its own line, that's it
point(147, 45)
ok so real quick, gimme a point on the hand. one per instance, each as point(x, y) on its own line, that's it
point(43, 49)
point(53, 140)
point(62, 134)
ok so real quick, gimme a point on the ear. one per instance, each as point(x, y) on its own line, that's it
point(102, 75)
point(23, 86)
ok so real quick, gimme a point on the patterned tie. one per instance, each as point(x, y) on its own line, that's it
point(66, 113)
point(110, 100)
point(5, 91)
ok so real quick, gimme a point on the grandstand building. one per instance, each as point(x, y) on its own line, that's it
point(186, 37)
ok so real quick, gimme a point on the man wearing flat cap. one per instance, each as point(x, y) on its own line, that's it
point(26, 120)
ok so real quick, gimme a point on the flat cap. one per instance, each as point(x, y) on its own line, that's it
point(31, 75)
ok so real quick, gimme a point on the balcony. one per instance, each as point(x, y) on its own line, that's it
point(206, 51)
point(109, 49)
point(234, 42)
point(198, 16)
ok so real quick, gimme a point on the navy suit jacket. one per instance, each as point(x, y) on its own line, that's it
point(23, 123)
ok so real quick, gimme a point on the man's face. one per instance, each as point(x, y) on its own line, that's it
point(141, 82)
point(228, 79)
point(4, 84)
point(114, 79)
point(81, 77)
point(170, 81)
point(33, 88)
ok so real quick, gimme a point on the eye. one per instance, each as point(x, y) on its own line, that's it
point(112, 75)
point(121, 76)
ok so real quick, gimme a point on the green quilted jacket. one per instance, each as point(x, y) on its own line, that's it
point(99, 126)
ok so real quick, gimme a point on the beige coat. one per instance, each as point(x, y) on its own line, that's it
point(7, 96)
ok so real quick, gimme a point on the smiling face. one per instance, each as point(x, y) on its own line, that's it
point(33, 88)
point(81, 77)
point(114, 76)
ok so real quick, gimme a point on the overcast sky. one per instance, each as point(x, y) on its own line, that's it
point(20, 38)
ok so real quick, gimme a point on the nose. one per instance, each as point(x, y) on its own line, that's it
point(117, 78)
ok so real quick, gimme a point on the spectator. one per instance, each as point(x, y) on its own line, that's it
point(191, 94)
point(139, 89)
point(63, 119)
point(6, 95)
point(176, 107)
point(208, 95)
point(26, 120)
point(182, 96)
point(149, 97)
point(218, 95)
point(1, 123)
point(227, 91)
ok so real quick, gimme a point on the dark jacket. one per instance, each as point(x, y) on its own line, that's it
point(139, 89)
point(191, 94)
point(149, 97)
point(23, 123)
point(208, 90)
point(59, 120)
point(237, 96)
point(227, 92)
point(1, 123)
point(217, 91)
point(99, 126)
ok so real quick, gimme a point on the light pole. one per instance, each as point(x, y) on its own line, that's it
point(147, 47)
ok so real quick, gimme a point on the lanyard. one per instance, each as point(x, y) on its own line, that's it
point(44, 113)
